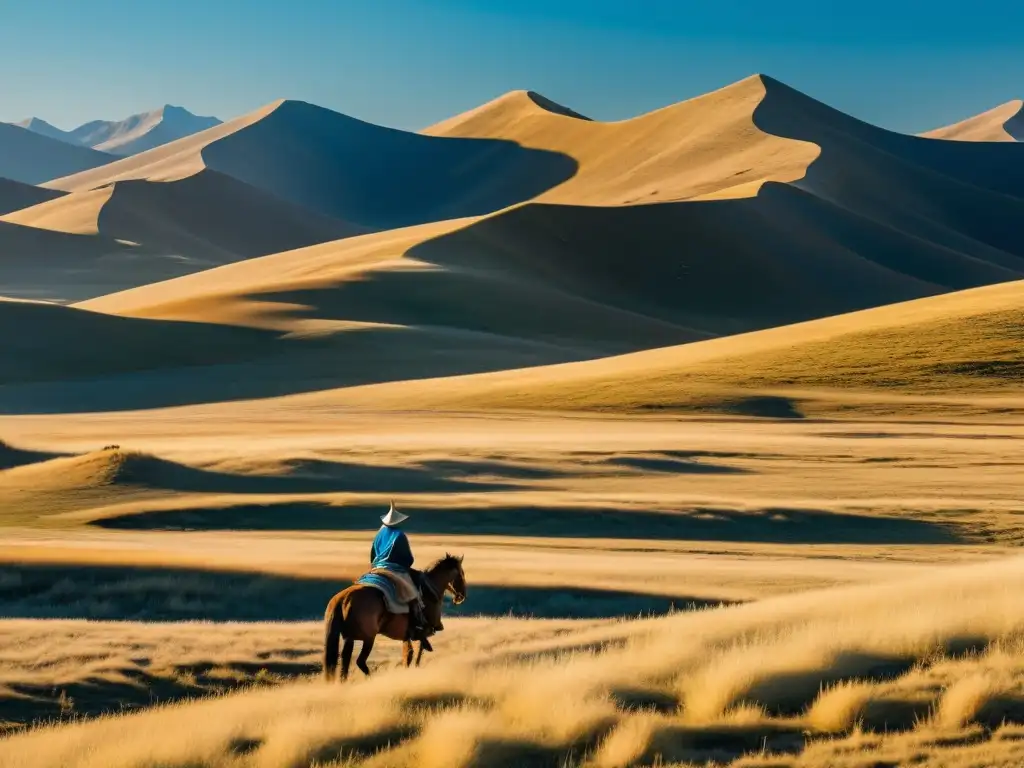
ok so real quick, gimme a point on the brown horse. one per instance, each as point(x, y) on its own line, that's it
point(359, 613)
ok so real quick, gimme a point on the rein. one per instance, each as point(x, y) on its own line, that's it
point(430, 588)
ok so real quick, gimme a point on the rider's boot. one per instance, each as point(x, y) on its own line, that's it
point(419, 626)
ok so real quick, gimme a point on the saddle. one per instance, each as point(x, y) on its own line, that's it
point(387, 587)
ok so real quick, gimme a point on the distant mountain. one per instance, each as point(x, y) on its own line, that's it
point(141, 132)
point(129, 136)
point(30, 157)
point(43, 128)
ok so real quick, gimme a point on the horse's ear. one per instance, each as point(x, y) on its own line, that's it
point(461, 558)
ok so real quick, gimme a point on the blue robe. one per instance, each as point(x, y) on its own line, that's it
point(391, 551)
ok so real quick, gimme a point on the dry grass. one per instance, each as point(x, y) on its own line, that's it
point(68, 670)
point(931, 355)
point(751, 683)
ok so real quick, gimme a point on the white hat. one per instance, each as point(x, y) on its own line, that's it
point(393, 517)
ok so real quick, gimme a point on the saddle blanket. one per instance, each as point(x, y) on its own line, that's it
point(387, 587)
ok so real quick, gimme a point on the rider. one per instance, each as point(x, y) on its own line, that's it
point(391, 552)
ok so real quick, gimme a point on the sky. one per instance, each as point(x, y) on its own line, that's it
point(907, 65)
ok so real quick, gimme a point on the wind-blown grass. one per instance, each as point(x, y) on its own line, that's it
point(933, 665)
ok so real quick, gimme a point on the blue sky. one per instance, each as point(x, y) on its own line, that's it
point(408, 63)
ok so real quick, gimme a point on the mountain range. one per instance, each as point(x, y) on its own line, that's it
point(130, 136)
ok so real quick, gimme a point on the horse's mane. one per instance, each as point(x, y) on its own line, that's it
point(448, 561)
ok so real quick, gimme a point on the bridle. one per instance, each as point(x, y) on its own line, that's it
point(457, 596)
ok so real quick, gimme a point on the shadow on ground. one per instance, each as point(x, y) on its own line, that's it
point(770, 525)
point(171, 594)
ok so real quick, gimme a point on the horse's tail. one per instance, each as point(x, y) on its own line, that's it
point(333, 620)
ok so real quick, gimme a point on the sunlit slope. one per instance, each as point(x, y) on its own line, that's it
point(370, 176)
point(966, 343)
point(389, 278)
point(1002, 123)
point(705, 147)
point(956, 197)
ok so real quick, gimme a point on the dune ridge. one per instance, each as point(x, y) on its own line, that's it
point(1002, 123)
point(824, 215)
point(374, 177)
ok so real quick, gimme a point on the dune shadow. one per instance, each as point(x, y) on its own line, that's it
point(382, 178)
point(716, 744)
point(672, 466)
point(143, 593)
point(11, 456)
point(474, 307)
point(769, 525)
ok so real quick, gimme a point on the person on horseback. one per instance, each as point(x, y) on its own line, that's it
point(390, 552)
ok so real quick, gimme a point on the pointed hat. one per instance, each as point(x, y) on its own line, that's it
point(393, 517)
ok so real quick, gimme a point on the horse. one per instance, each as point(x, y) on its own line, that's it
point(359, 613)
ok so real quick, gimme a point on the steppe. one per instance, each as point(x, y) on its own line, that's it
point(722, 404)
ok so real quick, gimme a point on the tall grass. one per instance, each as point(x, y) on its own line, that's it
point(927, 658)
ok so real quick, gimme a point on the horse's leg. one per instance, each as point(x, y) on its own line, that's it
point(419, 654)
point(407, 652)
point(346, 657)
point(364, 654)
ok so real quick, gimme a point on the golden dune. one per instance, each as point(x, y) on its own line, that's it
point(1002, 123)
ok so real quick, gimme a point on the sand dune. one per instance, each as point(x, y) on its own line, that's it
point(15, 195)
point(373, 177)
point(965, 343)
point(53, 251)
point(42, 264)
point(758, 176)
point(33, 158)
point(1002, 123)
point(871, 218)
point(58, 342)
point(207, 219)
point(706, 147)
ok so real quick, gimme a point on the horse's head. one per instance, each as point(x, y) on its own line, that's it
point(452, 576)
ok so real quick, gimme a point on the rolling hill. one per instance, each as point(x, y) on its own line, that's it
point(964, 344)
